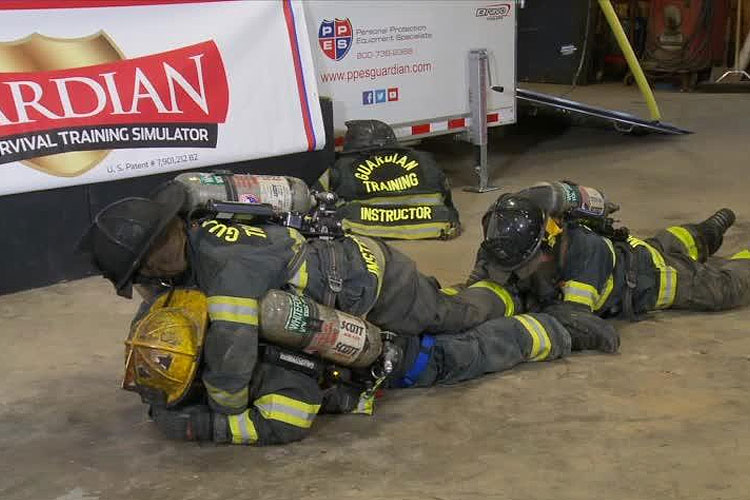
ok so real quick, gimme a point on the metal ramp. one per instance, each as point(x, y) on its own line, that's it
point(622, 122)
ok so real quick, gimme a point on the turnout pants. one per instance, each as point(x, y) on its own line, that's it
point(704, 283)
point(493, 346)
point(411, 303)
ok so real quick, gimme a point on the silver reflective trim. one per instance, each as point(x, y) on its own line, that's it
point(244, 429)
point(270, 408)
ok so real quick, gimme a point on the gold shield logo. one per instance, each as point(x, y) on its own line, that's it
point(38, 53)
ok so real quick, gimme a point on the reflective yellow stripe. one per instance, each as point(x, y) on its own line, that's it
point(373, 257)
point(540, 341)
point(580, 293)
point(299, 280)
point(227, 399)
point(502, 293)
point(667, 275)
point(365, 404)
point(745, 254)
point(235, 309)
point(686, 239)
point(299, 240)
point(404, 232)
point(287, 410)
point(609, 285)
point(325, 180)
point(611, 250)
point(450, 291)
point(242, 428)
point(407, 199)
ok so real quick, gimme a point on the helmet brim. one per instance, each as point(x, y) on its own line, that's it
point(171, 197)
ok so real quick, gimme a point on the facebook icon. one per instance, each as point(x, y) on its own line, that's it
point(380, 95)
point(367, 97)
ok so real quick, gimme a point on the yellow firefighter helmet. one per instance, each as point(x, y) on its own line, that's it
point(164, 346)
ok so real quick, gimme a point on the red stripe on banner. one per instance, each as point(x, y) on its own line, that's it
point(420, 129)
point(457, 123)
point(90, 4)
point(306, 118)
point(493, 117)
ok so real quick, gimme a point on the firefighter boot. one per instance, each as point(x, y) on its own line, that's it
point(712, 229)
point(587, 331)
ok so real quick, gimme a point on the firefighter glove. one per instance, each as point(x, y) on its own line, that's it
point(191, 423)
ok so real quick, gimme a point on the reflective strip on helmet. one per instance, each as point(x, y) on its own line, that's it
point(667, 274)
point(580, 293)
point(299, 280)
point(235, 309)
point(744, 254)
point(232, 400)
point(404, 232)
point(450, 291)
point(686, 239)
point(408, 199)
point(610, 284)
point(540, 341)
point(242, 428)
point(287, 410)
point(502, 294)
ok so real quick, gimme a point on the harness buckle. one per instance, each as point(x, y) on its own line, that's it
point(335, 284)
point(630, 278)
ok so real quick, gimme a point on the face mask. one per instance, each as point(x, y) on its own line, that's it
point(524, 272)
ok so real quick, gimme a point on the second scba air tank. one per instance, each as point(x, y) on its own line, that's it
point(302, 324)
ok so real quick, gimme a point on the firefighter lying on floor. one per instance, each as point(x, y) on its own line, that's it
point(144, 241)
point(575, 273)
point(289, 388)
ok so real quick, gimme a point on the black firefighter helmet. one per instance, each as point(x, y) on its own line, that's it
point(123, 232)
point(365, 135)
point(513, 231)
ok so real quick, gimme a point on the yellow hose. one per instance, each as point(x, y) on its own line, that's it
point(627, 50)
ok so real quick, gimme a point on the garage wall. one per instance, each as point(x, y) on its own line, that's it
point(39, 231)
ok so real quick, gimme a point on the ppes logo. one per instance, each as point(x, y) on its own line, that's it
point(494, 11)
point(336, 38)
point(65, 103)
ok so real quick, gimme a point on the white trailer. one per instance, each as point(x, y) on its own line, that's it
point(424, 67)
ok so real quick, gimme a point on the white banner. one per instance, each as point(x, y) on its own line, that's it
point(407, 62)
point(100, 90)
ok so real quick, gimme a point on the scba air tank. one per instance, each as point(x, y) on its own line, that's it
point(284, 194)
point(301, 323)
point(560, 198)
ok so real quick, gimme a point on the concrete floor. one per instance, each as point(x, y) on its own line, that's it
point(666, 418)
